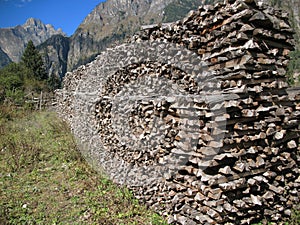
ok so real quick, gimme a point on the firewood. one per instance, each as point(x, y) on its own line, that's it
point(208, 134)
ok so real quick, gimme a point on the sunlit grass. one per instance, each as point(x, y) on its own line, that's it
point(45, 180)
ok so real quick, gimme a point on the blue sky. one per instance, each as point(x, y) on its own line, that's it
point(65, 14)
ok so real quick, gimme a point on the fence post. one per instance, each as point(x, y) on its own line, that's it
point(41, 100)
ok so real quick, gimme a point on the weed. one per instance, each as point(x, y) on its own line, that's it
point(45, 180)
point(295, 219)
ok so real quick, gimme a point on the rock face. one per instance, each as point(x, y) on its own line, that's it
point(113, 20)
point(4, 59)
point(14, 40)
point(55, 54)
point(195, 116)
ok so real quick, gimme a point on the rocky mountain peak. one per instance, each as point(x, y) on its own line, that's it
point(32, 22)
point(13, 40)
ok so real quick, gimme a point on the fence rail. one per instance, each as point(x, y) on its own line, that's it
point(45, 100)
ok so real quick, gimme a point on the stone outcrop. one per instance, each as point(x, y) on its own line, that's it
point(55, 55)
point(4, 59)
point(195, 116)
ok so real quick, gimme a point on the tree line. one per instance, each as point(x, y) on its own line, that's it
point(28, 77)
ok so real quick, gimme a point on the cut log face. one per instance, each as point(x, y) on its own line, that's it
point(204, 128)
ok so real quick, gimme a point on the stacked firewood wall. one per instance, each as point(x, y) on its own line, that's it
point(242, 156)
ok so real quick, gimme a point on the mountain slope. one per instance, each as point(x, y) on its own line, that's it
point(4, 59)
point(13, 40)
point(177, 9)
point(55, 54)
point(113, 20)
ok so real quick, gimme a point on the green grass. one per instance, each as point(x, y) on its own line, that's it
point(44, 179)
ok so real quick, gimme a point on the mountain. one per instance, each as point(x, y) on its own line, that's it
point(4, 59)
point(55, 54)
point(114, 20)
point(13, 40)
point(177, 9)
point(110, 22)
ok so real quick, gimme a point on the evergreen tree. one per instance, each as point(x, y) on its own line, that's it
point(54, 83)
point(12, 83)
point(34, 62)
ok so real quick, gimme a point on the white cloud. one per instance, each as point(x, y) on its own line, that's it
point(22, 3)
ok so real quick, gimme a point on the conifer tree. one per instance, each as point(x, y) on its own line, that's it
point(33, 62)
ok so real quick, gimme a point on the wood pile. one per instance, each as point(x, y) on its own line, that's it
point(228, 149)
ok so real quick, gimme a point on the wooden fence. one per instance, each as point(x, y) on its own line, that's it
point(44, 100)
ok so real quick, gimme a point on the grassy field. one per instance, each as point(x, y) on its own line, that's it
point(44, 179)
